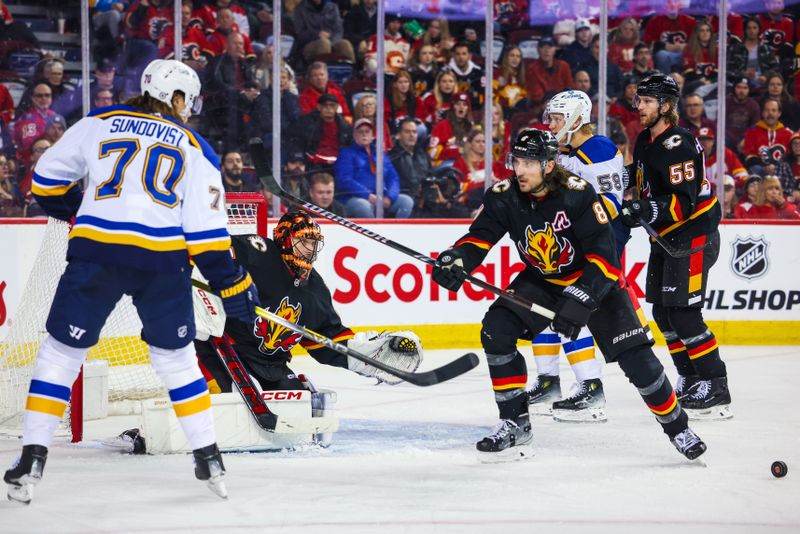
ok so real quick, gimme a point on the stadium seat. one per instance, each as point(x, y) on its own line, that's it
point(529, 48)
point(497, 49)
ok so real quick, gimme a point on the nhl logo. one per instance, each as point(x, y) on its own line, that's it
point(749, 259)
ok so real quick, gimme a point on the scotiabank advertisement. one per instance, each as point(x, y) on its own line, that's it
point(755, 280)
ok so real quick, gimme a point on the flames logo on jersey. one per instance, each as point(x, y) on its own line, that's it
point(545, 250)
point(773, 38)
point(275, 337)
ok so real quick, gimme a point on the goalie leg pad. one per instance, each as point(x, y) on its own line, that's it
point(401, 349)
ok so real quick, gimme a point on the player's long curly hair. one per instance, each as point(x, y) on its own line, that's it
point(556, 178)
point(148, 104)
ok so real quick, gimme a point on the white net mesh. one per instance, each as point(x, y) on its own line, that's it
point(130, 375)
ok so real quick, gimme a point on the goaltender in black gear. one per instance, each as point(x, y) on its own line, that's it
point(676, 199)
point(563, 237)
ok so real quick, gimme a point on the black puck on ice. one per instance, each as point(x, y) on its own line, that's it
point(779, 469)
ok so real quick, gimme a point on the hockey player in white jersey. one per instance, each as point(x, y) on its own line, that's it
point(596, 159)
point(153, 197)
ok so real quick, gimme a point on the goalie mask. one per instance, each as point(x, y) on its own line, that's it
point(572, 105)
point(300, 241)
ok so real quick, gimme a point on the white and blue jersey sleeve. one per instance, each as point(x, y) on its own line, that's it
point(599, 162)
point(153, 192)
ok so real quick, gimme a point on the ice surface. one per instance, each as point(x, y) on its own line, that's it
point(403, 461)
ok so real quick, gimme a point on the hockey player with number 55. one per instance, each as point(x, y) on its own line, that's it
point(563, 237)
point(153, 197)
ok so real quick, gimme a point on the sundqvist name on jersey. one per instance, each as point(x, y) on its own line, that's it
point(157, 129)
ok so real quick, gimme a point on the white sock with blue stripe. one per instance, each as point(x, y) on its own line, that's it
point(546, 348)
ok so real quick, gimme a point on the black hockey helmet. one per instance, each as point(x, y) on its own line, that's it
point(532, 143)
point(300, 240)
point(659, 86)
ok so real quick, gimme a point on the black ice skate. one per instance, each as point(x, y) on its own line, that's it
point(26, 473)
point(509, 441)
point(683, 384)
point(544, 392)
point(586, 404)
point(709, 400)
point(689, 444)
point(208, 466)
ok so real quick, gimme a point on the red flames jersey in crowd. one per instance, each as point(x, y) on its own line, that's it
point(666, 30)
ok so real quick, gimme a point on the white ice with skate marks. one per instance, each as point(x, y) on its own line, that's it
point(404, 461)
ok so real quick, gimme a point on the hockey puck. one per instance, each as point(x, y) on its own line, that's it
point(779, 469)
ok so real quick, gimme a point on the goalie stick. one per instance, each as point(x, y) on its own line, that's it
point(269, 182)
point(450, 370)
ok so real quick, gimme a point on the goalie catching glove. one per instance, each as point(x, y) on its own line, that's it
point(401, 349)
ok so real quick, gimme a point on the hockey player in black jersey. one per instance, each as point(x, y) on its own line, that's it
point(676, 199)
point(563, 237)
point(288, 285)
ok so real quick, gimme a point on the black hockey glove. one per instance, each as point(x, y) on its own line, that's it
point(240, 297)
point(572, 311)
point(449, 270)
point(635, 210)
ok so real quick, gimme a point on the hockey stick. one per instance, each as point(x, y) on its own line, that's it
point(669, 249)
point(457, 367)
point(269, 182)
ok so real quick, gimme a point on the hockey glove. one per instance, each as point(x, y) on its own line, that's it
point(634, 211)
point(449, 270)
point(572, 311)
point(401, 349)
point(240, 297)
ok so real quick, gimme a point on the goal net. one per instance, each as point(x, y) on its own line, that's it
point(130, 376)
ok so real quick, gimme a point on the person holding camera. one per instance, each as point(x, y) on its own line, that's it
point(440, 196)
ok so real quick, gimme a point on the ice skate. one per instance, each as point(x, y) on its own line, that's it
point(208, 467)
point(689, 444)
point(510, 440)
point(26, 473)
point(545, 391)
point(683, 384)
point(586, 404)
point(708, 400)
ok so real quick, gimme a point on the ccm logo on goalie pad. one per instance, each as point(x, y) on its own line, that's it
point(283, 395)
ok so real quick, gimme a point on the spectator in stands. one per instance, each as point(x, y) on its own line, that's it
point(233, 179)
point(104, 77)
point(10, 202)
point(509, 81)
point(322, 191)
point(424, 69)
point(622, 47)
point(733, 167)
point(102, 98)
point(501, 134)
point(625, 110)
point(776, 88)
point(106, 19)
point(794, 164)
point(776, 163)
point(31, 208)
point(54, 128)
point(694, 115)
point(700, 54)
point(260, 124)
point(144, 23)
point(360, 22)
point(472, 164)
point(367, 108)
point(777, 28)
point(642, 62)
point(741, 112)
point(667, 34)
point(6, 105)
point(12, 30)
point(751, 58)
point(441, 99)
point(239, 14)
point(320, 84)
point(441, 196)
point(217, 42)
point(578, 54)
point(6, 142)
point(32, 124)
point(194, 45)
point(294, 175)
point(750, 189)
point(767, 132)
point(438, 35)
point(768, 204)
point(322, 133)
point(319, 30)
point(614, 78)
point(583, 82)
point(356, 177)
point(410, 159)
point(470, 78)
point(402, 101)
point(730, 199)
point(66, 101)
point(546, 75)
point(449, 134)
point(396, 49)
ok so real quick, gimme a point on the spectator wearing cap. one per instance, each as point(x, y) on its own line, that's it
point(767, 133)
point(769, 203)
point(54, 128)
point(260, 124)
point(667, 34)
point(410, 158)
point(105, 77)
point(733, 167)
point(319, 30)
point(730, 198)
point(546, 75)
point(395, 48)
point(694, 114)
point(294, 175)
point(449, 134)
point(741, 112)
point(642, 62)
point(470, 78)
point(356, 178)
point(322, 133)
point(33, 123)
point(319, 84)
point(322, 192)
point(578, 54)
